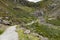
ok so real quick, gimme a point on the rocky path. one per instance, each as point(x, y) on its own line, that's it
point(9, 34)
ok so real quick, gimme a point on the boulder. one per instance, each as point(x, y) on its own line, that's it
point(6, 17)
point(6, 22)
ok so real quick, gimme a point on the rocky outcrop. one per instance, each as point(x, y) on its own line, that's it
point(6, 22)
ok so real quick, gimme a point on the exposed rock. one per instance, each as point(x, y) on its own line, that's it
point(6, 22)
point(6, 17)
point(51, 18)
point(27, 31)
point(39, 13)
point(7, 12)
point(52, 6)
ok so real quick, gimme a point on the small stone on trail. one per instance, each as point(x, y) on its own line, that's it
point(27, 31)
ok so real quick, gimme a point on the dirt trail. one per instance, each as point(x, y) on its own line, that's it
point(9, 34)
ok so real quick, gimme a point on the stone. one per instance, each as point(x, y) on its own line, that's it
point(51, 18)
point(7, 12)
point(6, 22)
point(39, 13)
point(7, 17)
point(27, 31)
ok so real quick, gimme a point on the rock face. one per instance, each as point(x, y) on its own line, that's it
point(53, 8)
point(6, 22)
point(39, 13)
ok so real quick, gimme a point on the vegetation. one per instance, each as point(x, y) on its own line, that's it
point(23, 36)
point(1, 31)
point(16, 13)
point(54, 22)
point(51, 32)
point(22, 12)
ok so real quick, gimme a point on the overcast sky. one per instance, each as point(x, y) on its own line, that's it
point(34, 0)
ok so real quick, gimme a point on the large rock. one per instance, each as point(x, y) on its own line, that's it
point(39, 13)
point(6, 22)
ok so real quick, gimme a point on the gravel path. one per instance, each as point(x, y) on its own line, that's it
point(9, 34)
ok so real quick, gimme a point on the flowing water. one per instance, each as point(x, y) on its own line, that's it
point(9, 34)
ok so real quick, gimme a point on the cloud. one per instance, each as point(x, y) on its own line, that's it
point(34, 0)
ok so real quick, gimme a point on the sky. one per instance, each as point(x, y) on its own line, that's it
point(34, 0)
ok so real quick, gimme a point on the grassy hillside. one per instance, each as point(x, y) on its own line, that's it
point(51, 32)
point(23, 14)
point(16, 12)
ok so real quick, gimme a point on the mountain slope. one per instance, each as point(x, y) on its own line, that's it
point(13, 11)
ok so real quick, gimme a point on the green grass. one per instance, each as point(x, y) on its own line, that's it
point(23, 14)
point(53, 32)
point(23, 36)
point(54, 22)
